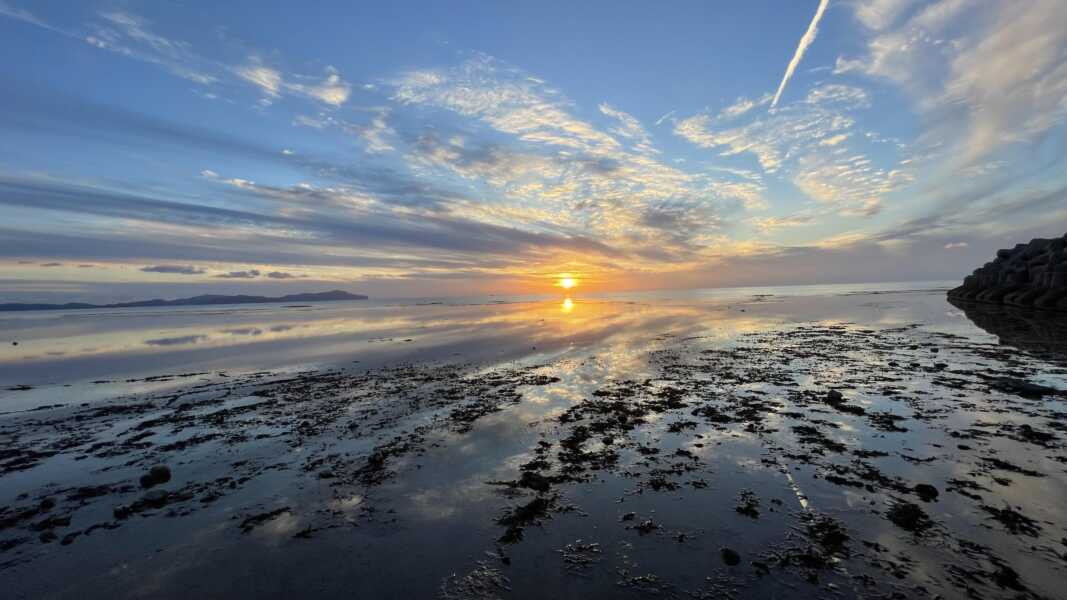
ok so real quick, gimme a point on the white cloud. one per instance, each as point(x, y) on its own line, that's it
point(835, 140)
point(992, 73)
point(812, 145)
point(506, 100)
point(376, 134)
point(742, 106)
point(629, 128)
point(770, 224)
point(331, 90)
point(956, 245)
point(269, 80)
point(880, 14)
point(21, 14)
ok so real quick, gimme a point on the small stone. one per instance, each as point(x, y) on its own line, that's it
point(155, 476)
point(155, 498)
point(909, 516)
point(926, 492)
point(731, 557)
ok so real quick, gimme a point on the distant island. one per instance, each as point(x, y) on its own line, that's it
point(205, 300)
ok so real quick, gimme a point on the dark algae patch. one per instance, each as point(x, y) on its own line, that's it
point(821, 458)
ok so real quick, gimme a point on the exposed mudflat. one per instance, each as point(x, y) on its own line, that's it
point(802, 457)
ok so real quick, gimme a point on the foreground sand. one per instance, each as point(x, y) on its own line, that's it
point(790, 459)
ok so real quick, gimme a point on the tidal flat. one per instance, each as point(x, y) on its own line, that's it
point(839, 443)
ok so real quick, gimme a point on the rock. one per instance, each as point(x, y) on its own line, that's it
point(909, 516)
point(647, 526)
point(155, 498)
point(731, 557)
point(155, 476)
point(1028, 275)
point(926, 492)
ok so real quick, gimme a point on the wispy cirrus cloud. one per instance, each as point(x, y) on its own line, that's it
point(132, 36)
point(987, 75)
point(331, 89)
point(793, 142)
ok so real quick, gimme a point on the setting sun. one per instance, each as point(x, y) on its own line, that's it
point(567, 283)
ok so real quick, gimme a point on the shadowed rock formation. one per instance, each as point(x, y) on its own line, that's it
point(1033, 275)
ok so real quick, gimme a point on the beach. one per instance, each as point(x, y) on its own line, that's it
point(827, 441)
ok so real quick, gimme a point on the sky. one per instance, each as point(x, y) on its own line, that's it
point(465, 148)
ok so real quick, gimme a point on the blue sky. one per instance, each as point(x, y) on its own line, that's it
point(151, 148)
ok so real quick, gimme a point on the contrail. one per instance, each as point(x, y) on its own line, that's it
point(802, 47)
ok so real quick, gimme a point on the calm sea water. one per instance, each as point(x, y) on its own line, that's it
point(64, 347)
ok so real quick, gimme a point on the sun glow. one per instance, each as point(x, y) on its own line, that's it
point(567, 282)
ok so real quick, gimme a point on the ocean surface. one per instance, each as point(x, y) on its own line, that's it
point(56, 348)
point(830, 441)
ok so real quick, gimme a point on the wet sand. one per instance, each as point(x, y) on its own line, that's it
point(863, 445)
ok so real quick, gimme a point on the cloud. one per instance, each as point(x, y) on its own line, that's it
point(52, 264)
point(813, 144)
point(506, 99)
point(376, 135)
point(331, 90)
point(282, 275)
point(806, 40)
point(742, 106)
point(835, 140)
point(380, 228)
point(984, 75)
point(174, 269)
point(880, 14)
point(21, 14)
point(956, 245)
point(250, 274)
point(269, 80)
point(770, 224)
point(564, 171)
point(132, 36)
point(629, 128)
